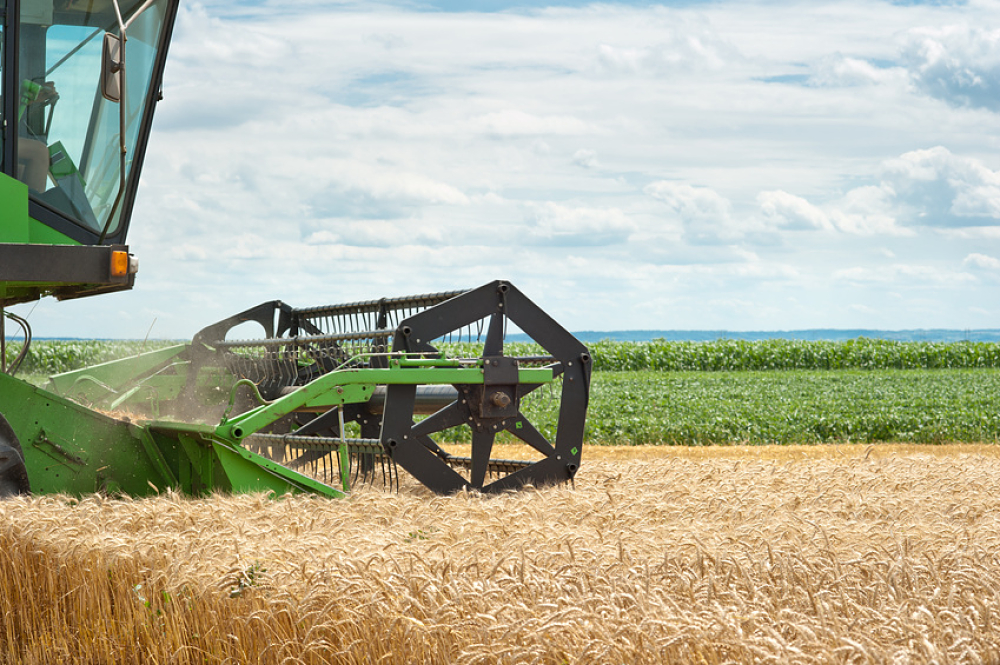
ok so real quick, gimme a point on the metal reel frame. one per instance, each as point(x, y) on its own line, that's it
point(494, 405)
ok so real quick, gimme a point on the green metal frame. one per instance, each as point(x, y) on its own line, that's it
point(356, 386)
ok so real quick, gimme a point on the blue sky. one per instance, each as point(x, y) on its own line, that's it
point(690, 165)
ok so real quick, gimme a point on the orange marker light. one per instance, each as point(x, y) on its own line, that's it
point(119, 264)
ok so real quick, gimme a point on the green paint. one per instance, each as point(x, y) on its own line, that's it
point(93, 383)
point(14, 203)
point(74, 450)
point(345, 462)
point(16, 225)
point(41, 234)
point(246, 471)
point(356, 386)
point(71, 449)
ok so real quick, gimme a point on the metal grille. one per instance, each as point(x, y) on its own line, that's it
point(318, 457)
point(318, 340)
point(368, 315)
point(496, 468)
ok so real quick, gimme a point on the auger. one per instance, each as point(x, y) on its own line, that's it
point(318, 399)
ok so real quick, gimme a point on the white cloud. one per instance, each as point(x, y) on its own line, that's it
point(706, 215)
point(868, 210)
point(374, 233)
point(840, 70)
point(927, 275)
point(944, 189)
point(920, 188)
point(982, 261)
point(585, 158)
point(554, 224)
point(958, 64)
point(975, 234)
point(514, 122)
point(792, 212)
point(684, 52)
point(361, 189)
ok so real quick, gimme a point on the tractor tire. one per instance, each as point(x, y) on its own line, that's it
point(13, 473)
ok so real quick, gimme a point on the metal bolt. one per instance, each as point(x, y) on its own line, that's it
point(500, 399)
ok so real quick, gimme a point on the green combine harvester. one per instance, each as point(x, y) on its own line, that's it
point(317, 399)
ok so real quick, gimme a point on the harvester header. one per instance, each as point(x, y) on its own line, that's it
point(323, 398)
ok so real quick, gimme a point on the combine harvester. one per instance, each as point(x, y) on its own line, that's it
point(324, 396)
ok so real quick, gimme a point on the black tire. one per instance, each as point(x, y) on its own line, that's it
point(13, 473)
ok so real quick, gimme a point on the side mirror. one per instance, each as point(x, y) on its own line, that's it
point(111, 68)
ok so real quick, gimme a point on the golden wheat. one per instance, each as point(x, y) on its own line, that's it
point(771, 555)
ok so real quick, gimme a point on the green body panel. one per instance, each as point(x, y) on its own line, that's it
point(71, 449)
point(40, 234)
point(14, 204)
point(206, 464)
point(91, 384)
point(150, 384)
point(246, 471)
point(15, 224)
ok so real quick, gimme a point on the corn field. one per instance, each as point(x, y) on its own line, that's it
point(47, 357)
point(832, 554)
point(783, 354)
point(55, 356)
point(732, 355)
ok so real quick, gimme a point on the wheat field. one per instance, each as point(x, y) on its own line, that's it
point(832, 554)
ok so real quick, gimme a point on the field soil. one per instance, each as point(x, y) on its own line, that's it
point(764, 554)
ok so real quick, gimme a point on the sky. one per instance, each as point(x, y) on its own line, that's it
point(770, 165)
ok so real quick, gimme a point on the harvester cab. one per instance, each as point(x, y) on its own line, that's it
point(76, 114)
point(319, 398)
